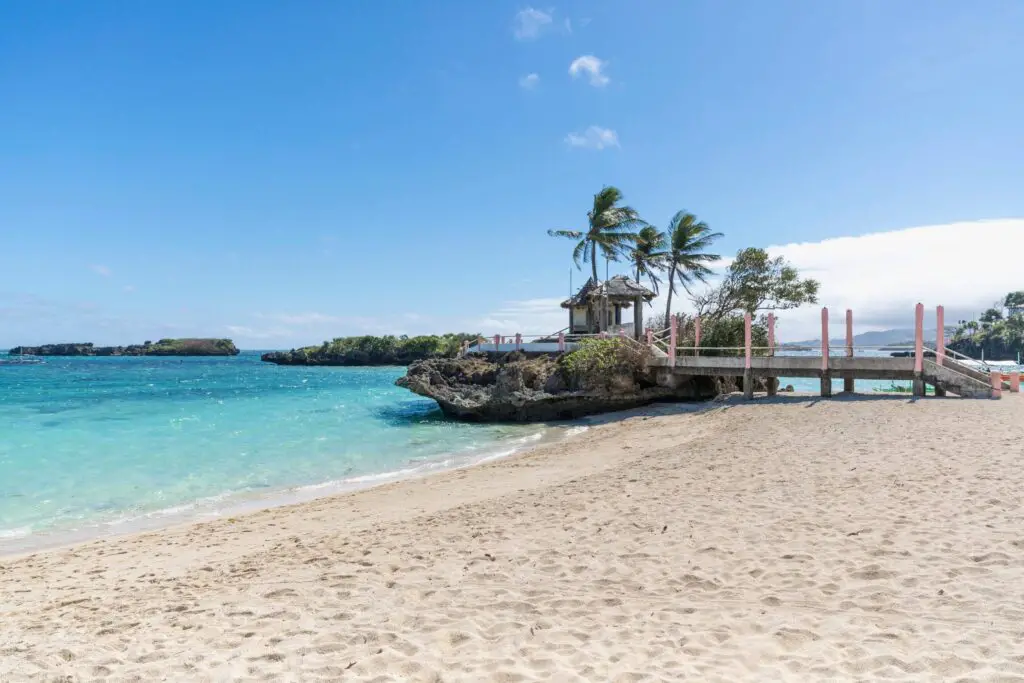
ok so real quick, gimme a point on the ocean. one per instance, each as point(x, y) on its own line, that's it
point(98, 446)
point(95, 446)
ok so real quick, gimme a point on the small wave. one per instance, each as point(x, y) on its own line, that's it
point(19, 532)
point(529, 438)
point(575, 431)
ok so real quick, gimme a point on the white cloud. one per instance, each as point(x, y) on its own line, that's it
point(529, 317)
point(530, 23)
point(568, 25)
point(592, 67)
point(881, 276)
point(101, 270)
point(594, 137)
point(529, 81)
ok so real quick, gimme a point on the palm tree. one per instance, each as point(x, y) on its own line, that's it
point(686, 260)
point(648, 256)
point(610, 229)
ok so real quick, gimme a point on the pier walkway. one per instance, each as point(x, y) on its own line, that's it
point(945, 370)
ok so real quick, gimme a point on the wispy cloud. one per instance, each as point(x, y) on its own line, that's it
point(530, 23)
point(129, 288)
point(591, 67)
point(308, 318)
point(101, 270)
point(245, 332)
point(529, 81)
point(594, 137)
point(529, 316)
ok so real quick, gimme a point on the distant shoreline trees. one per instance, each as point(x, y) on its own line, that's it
point(996, 335)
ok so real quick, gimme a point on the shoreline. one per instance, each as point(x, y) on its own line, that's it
point(237, 504)
point(792, 538)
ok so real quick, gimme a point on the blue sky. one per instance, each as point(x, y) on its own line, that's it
point(287, 172)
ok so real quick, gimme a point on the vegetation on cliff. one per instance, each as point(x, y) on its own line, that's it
point(603, 364)
point(998, 334)
point(753, 283)
point(164, 347)
point(369, 350)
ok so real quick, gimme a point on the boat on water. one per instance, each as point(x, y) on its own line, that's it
point(20, 359)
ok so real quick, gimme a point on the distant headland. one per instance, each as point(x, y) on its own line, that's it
point(164, 347)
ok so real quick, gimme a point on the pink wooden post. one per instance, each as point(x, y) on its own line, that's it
point(746, 340)
point(650, 337)
point(465, 347)
point(673, 325)
point(997, 384)
point(919, 338)
point(1015, 382)
point(622, 332)
point(849, 333)
point(771, 334)
point(824, 339)
point(940, 334)
point(497, 341)
point(519, 341)
point(696, 336)
point(561, 341)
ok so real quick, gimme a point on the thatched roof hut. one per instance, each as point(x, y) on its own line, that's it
point(597, 306)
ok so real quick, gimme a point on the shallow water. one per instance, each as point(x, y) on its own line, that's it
point(98, 443)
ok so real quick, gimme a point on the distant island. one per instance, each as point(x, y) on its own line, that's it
point(164, 347)
point(370, 351)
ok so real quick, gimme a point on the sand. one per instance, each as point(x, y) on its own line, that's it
point(793, 539)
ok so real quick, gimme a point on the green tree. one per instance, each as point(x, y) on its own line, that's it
point(687, 258)
point(1014, 299)
point(649, 254)
point(992, 315)
point(754, 282)
point(610, 228)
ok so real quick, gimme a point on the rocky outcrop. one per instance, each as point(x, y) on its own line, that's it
point(164, 347)
point(347, 358)
point(517, 389)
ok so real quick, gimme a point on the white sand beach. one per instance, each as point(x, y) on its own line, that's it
point(793, 539)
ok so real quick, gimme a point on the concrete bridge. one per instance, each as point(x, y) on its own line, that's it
point(946, 371)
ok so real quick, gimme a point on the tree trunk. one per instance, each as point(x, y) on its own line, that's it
point(671, 286)
point(593, 260)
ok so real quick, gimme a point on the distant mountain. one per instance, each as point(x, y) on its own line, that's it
point(877, 338)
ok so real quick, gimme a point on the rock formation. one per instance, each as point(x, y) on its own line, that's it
point(540, 389)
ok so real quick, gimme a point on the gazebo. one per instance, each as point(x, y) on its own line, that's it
point(597, 306)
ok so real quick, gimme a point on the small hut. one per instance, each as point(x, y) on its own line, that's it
point(598, 306)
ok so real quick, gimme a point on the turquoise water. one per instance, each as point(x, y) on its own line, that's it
point(863, 386)
point(101, 443)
